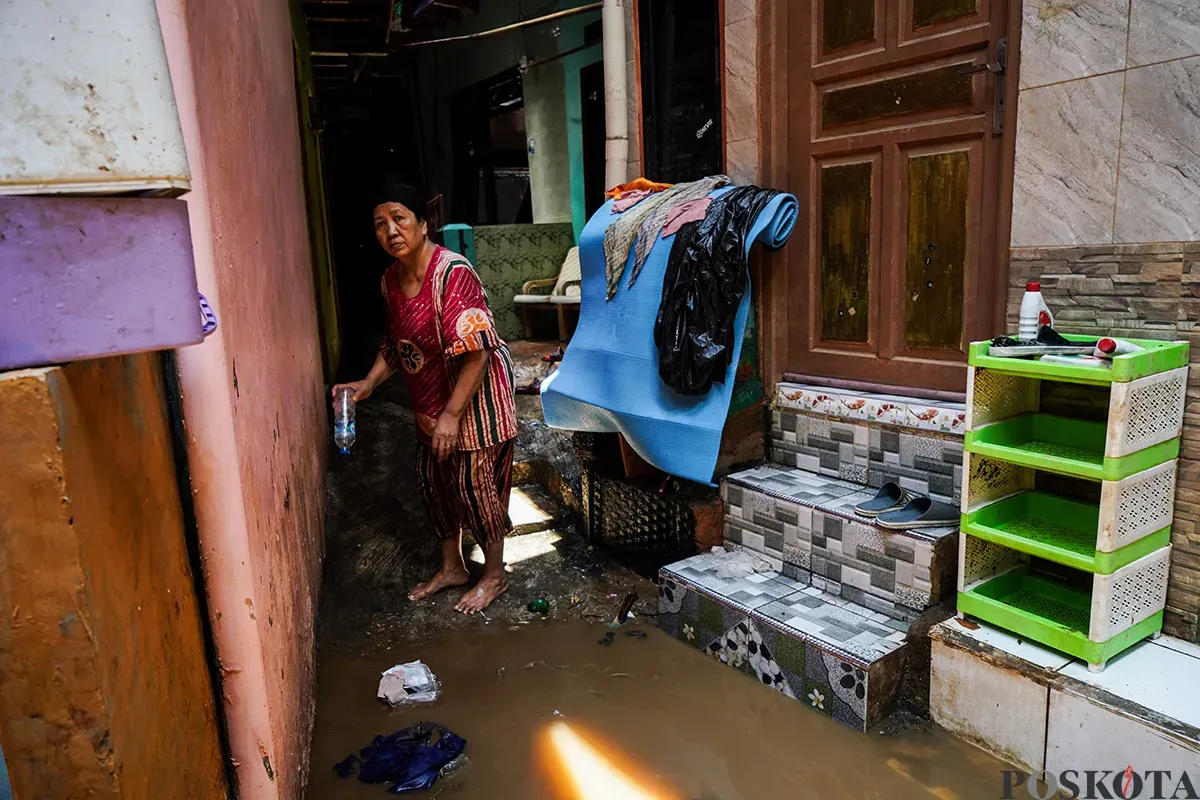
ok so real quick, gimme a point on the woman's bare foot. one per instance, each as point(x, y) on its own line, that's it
point(487, 590)
point(444, 579)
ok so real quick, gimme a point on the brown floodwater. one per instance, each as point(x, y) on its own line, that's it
point(657, 709)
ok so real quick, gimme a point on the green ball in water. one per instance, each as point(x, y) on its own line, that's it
point(539, 606)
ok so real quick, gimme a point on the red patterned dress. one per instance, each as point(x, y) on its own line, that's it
point(426, 336)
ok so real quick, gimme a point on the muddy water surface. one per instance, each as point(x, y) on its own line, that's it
point(696, 726)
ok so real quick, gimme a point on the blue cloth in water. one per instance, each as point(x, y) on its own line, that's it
point(404, 757)
point(608, 381)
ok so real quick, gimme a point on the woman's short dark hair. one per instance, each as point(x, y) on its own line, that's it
point(404, 194)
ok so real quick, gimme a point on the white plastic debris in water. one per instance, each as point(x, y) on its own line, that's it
point(737, 564)
point(409, 684)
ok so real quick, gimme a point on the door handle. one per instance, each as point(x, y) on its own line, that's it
point(997, 68)
point(974, 69)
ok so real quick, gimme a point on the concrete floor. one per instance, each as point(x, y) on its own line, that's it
point(378, 545)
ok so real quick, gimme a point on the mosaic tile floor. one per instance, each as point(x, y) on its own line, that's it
point(746, 593)
point(833, 656)
point(797, 609)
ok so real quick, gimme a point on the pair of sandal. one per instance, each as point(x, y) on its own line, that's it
point(898, 509)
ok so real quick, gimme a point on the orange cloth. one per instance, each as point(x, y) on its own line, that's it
point(641, 184)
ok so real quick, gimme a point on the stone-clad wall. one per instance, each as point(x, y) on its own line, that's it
point(1149, 291)
point(1106, 200)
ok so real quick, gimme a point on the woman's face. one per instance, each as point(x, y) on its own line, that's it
point(398, 230)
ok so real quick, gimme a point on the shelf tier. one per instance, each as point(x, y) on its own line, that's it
point(1056, 529)
point(1066, 446)
point(1156, 357)
point(1048, 613)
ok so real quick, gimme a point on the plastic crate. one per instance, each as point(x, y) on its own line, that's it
point(625, 518)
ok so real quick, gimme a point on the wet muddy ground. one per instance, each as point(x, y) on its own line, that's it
point(698, 728)
point(662, 708)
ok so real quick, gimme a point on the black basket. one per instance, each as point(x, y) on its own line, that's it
point(625, 518)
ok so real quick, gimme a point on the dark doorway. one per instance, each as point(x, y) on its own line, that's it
point(491, 166)
point(681, 94)
point(591, 90)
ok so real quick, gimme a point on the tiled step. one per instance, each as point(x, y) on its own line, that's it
point(870, 439)
point(836, 657)
point(804, 524)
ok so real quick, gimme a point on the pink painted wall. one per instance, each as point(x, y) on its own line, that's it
point(252, 393)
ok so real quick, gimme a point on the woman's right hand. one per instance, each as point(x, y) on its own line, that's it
point(362, 389)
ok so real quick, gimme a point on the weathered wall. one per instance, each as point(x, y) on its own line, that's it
point(253, 398)
point(104, 687)
point(546, 126)
point(1106, 200)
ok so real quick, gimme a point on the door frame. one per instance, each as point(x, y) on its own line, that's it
point(774, 96)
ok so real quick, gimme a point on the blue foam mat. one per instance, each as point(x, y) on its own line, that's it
point(608, 381)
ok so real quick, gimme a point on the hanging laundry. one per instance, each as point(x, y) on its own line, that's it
point(644, 220)
point(636, 185)
point(652, 225)
point(702, 290)
point(609, 381)
point(629, 200)
point(692, 211)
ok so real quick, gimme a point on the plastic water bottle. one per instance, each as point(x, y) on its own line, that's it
point(343, 420)
point(1034, 313)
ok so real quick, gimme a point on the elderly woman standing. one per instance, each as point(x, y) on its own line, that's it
point(440, 331)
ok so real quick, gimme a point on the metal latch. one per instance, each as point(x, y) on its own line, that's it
point(997, 68)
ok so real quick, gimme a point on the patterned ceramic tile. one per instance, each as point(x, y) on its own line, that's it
point(743, 593)
point(873, 408)
point(506, 256)
point(833, 624)
point(801, 487)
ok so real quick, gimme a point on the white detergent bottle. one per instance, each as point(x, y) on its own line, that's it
point(1034, 313)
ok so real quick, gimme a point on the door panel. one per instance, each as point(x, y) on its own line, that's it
point(845, 250)
point(927, 13)
point(892, 144)
point(847, 24)
point(936, 252)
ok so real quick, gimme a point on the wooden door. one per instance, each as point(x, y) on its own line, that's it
point(895, 151)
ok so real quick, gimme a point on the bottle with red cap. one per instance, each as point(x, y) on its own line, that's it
point(1111, 348)
point(1034, 313)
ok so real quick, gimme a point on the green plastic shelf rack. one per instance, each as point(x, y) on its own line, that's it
point(1050, 613)
point(1121, 544)
point(1155, 357)
point(1056, 529)
point(1063, 445)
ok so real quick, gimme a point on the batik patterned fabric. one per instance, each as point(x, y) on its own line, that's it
point(643, 223)
point(469, 491)
point(427, 334)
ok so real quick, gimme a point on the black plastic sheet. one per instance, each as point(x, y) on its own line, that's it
point(702, 289)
